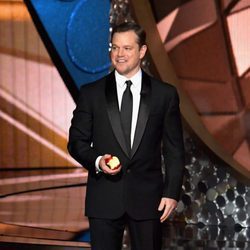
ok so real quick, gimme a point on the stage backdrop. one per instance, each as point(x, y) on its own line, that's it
point(41, 186)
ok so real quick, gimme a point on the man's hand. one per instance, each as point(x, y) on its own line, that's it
point(168, 205)
point(105, 168)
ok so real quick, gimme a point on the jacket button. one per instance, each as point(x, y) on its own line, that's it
point(128, 170)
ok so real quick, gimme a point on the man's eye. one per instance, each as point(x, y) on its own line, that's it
point(127, 48)
point(113, 48)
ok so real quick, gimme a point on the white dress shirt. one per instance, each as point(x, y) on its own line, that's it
point(136, 90)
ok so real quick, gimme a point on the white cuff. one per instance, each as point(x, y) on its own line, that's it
point(97, 167)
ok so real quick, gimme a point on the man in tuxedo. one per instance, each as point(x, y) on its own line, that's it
point(135, 117)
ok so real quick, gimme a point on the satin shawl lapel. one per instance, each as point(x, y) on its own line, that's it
point(143, 112)
point(113, 111)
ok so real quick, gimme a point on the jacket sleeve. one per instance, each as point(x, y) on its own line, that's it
point(173, 149)
point(81, 132)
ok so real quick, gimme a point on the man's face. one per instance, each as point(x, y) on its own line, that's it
point(125, 53)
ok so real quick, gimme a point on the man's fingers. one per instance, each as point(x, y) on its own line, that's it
point(161, 206)
point(167, 211)
point(115, 171)
point(106, 156)
point(103, 165)
point(168, 205)
point(107, 170)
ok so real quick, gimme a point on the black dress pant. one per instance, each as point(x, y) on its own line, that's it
point(106, 234)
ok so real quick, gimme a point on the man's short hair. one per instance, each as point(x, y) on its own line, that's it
point(131, 26)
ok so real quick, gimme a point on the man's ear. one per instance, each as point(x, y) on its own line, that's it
point(143, 51)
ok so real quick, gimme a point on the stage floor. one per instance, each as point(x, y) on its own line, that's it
point(175, 236)
point(44, 209)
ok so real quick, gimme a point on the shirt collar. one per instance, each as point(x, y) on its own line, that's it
point(136, 79)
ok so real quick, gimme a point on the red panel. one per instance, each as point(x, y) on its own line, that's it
point(211, 97)
point(202, 12)
point(202, 56)
point(245, 88)
point(229, 131)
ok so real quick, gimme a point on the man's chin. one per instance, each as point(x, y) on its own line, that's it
point(124, 72)
point(121, 71)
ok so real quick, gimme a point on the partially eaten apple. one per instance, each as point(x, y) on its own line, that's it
point(113, 162)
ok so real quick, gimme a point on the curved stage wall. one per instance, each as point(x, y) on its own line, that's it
point(216, 190)
point(41, 186)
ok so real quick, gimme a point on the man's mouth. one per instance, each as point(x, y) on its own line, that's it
point(120, 60)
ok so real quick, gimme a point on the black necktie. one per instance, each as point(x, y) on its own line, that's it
point(126, 113)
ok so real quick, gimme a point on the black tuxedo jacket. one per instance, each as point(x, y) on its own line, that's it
point(96, 130)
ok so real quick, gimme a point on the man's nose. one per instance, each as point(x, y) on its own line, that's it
point(120, 52)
